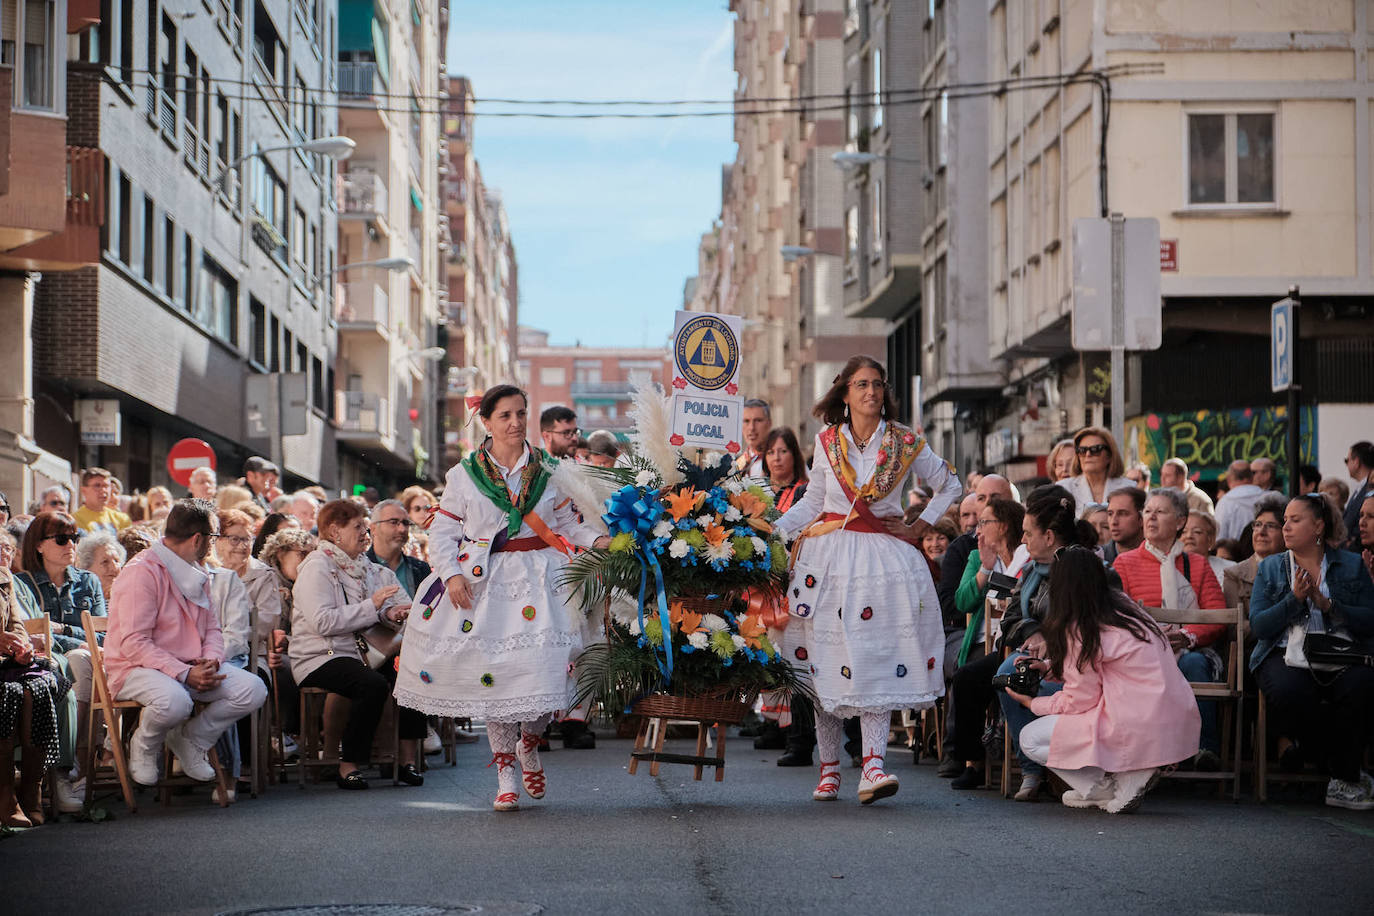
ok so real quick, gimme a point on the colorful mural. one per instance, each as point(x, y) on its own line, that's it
point(1209, 440)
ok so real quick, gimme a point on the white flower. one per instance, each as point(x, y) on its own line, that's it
point(699, 640)
point(705, 520)
point(645, 478)
point(634, 628)
point(760, 546)
point(663, 529)
point(714, 622)
point(738, 641)
point(722, 552)
point(733, 515)
point(734, 486)
point(679, 548)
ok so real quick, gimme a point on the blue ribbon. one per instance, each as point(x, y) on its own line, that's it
point(632, 511)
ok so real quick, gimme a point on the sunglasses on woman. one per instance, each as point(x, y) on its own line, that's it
point(1097, 449)
point(62, 540)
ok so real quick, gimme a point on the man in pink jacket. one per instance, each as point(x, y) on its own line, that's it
point(164, 649)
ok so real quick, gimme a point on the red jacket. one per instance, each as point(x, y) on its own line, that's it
point(1139, 572)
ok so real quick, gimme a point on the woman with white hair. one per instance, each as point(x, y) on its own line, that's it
point(103, 555)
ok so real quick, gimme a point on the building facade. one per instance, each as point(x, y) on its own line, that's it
point(594, 381)
point(211, 269)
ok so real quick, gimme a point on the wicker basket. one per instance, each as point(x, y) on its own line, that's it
point(700, 604)
point(724, 704)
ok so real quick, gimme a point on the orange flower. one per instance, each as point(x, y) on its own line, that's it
point(683, 619)
point(748, 503)
point(680, 505)
point(715, 534)
point(751, 627)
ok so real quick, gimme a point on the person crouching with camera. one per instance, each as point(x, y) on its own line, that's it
point(1125, 710)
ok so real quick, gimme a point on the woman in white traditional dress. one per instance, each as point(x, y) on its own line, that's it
point(866, 621)
point(492, 635)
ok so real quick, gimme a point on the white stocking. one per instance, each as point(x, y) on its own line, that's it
point(503, 737)
point(537, 726)
point(829, 736)
point(875, 727)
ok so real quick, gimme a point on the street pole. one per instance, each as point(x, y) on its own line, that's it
point(1118, 222)
point(1294, 396)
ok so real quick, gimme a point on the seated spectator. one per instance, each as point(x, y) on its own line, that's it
point(1266, 536)
point(103, 555)
point(53, 499)
point(233, 550)
point(419, 504)
point(283, 554)
point(1100, 468)
point(1125, 709)
point(1229, 550)
point(232, 496)
point(31, 698)
point(1000, 551)
point(62, 591)
point(1125, 525)
point(582, 451)
point(273, 523)
point(1236, 507)
point(338, 595)
point(391, 530)
point(602, 448)
point(136, 539)
point(165, 649)
point(1174, 475)
point(1335, 489)
point(1139, 473)
point(1359, 464)
point(160, 502)
point(234, 609)
point(1365, 529)
point(305, 509)
point(1200, 536)
point(1325, 714)
point(1266, 473)
point(204, 484)
point(1097, 516)
point(936, 542)
point(1061, 461)
point(1162, 573)
point(95, 512)
point(138, 508)
point(1309, 478)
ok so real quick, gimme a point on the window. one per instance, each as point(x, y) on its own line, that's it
point(167, 70)
point(587, 371)
point(190, 106)
point(149, 241)
point(553, 375)
point(267, 47)
point(300, 108)
point(169, 257)
point(269, 206)
point(875, 210)
point(851, 121)
point(222, 134)
point(274, 345)
point(257, 332)
point(1231, 158)
point(188, 271)
point(216, 305)
point(851, 244)
point(942, 133)
point(302, 358)
point(34, 56)
point(877, 88)
point(317, 383)
point(124, 245)
point(298, 241)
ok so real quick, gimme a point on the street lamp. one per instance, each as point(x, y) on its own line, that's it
point(428, 354)
point(792, 253)
point(393, 264)
point(849, 161)
point(336, 148)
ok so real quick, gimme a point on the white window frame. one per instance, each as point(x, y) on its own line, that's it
point(57, 74)
point(1230, 112)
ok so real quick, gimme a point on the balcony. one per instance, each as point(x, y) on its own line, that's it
point(77, 239)
point(455, 194)
point(364, 194)
point(417, 246)
point(358, 79)
point(364, 308)
point(600, 392)
point(361, 418)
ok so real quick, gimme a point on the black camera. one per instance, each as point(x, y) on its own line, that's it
point(1001, 585)
point(1025, 680)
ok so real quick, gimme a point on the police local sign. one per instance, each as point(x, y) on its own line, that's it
point(707, 421)
point(706, 405)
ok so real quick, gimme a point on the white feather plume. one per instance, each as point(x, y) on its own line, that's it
point(652, 416)
point(588, 492)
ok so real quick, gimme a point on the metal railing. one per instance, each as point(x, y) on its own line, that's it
point(364, 192)
point(601, 389)
point(85, 186)
point(361, 412)
point(363, 301)
point(357, 78)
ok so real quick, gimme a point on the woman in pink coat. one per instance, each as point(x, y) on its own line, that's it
point(1125, 711)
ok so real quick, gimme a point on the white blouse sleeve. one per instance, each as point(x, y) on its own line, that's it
point(940, 477)
point(812, 502)
point(446, 532)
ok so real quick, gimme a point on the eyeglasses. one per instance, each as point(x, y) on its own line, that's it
point(567, 433)
point(62, 540)
point(984, 522)
point(237, 540)
point(1091, 449)
point(864, 384)
point(399, 522)
point(1265, 526)
point(7, 549)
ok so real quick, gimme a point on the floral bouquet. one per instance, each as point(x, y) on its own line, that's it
point(695, 551)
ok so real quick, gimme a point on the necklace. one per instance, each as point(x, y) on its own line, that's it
point(864, 444)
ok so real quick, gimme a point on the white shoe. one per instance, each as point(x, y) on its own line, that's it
point(143, 767)
point(69, 797)
point(1354, 796)
point(828, 789)
point(215, 796)
point(1099, 796)
point(432, 743)
point(289, 748)
point(874, 783)
point(195, 761)
point(1131, 787)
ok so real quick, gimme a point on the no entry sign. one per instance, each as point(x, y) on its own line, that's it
point(186, 456)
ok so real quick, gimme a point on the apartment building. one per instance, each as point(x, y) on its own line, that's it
point(205, 307)
point(1245, 131)
point(594, 381)
point(482, 276)
point(37, 206)
point(784, 191)
point(390, 343)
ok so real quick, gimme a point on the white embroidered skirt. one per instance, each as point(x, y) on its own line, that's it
point(871, 637)
point(507, 658)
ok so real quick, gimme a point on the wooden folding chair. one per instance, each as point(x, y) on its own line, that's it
point(1230, 691)
point(110, 711)
point(322, 717)
point(1260, 748)
point(39, 630)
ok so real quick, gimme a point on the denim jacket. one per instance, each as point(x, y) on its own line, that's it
point(81, 592)
point(1273, 607)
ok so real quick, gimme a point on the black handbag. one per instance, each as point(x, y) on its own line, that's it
point(1334, 649)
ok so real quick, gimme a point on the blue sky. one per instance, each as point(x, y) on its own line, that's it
point(606, 214)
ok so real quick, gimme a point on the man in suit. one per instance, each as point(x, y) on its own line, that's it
point(1359, 463)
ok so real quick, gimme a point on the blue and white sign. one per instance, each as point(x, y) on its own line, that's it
point(710, 421)
point(1282, 345)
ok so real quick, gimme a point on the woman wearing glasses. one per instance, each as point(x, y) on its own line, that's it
point(1098, 468)
point(867, 623)
point(48, 563)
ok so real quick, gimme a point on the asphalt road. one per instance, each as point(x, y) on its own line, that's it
point(604, 842)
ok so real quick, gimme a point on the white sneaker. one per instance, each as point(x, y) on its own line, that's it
point(195, 761)
point(289, 747)
point(143, 767)
point(875, 784)
point(1099, 796)
point(1356, 796)
point(69, 797)
point(1131, 786)
point(432, 743)
point(215, 796)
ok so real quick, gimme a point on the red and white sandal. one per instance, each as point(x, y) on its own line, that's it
point(875, 784)
point(532, 774)
point(508, 790)
point(828, 789)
